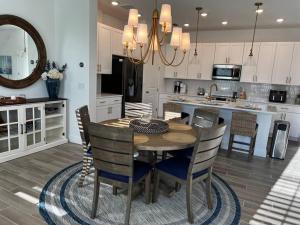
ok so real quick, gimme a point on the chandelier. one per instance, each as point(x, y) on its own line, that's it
point(258, 11)
point(137, 41)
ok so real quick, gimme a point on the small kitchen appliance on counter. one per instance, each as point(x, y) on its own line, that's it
point(277, 96)
point(297, 100)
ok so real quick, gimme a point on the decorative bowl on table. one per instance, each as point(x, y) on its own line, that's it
point(12, 101)
point(152, 127)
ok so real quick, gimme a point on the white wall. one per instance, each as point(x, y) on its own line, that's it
point(75, 38)
point(69, 30)
point(40, 14)
point(272, 35)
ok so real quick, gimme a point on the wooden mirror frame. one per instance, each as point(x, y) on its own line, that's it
point(41, 49)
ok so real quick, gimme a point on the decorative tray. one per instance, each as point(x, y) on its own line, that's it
point(152, 127)
point(9, 101)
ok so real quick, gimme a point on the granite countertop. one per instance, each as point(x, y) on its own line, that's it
point(35, 100)
point(229, 105)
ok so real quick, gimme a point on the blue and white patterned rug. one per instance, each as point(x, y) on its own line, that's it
point(62, 202)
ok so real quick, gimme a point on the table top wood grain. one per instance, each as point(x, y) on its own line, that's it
point(179, 136)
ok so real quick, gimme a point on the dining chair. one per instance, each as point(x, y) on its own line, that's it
point(113, 155)
point(203, 118)
point(173, 111)
point(243, 124)
point(198, 168)
point(83, 119)
point(138, 109)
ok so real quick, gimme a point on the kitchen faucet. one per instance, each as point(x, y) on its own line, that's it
point(210, 90)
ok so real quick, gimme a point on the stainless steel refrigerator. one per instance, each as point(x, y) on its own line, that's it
point(126, 79)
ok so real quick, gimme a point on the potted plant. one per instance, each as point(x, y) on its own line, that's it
point(53, 75)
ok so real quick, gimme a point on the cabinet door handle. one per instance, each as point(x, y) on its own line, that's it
point(228, 60)
point(253, 78)
point(100, 68)
point(22, 128)
point(290, 80)
point(287, 80)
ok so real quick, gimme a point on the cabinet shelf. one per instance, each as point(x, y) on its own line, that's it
point(54, 127)
point(54, 115)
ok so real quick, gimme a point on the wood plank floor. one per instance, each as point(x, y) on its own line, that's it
point(268, 190)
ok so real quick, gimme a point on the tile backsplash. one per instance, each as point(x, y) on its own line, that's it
point(253, 91)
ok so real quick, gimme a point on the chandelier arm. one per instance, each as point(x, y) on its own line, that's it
point(164, 59)
point(184, 54)
point(163, 38)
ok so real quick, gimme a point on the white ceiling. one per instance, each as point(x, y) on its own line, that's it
point(240, 14)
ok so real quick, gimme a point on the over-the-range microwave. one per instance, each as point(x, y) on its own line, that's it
point(227, 72)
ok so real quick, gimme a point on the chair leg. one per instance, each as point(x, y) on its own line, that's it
point(177, 186)
point(164, 155)
point(128, 207)
point(231, 138)
point(251, 148)
point(96, 195)
point(115, 190)
point(87, 161)
point(189, 201)
point(148, 188)
point(156, 186)
point(208, 189)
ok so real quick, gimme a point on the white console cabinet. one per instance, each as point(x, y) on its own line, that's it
point(28, 128)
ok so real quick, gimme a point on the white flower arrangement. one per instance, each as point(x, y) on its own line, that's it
point(52, 71)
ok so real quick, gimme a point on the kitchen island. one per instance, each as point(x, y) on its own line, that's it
point(264, 120)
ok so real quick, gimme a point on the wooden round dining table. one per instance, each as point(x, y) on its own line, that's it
point(179, 136)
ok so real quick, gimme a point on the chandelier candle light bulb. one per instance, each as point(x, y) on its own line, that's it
point(176, 37)
point(133, 18)
point(127, 37)
point(185, 42)
point(142, 34)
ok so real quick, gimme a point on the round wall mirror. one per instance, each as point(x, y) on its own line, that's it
point(22, 53)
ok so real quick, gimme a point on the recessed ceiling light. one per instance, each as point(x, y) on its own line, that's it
point(279, 20)
point(115, 3)
point(259, 11)
point(204, 14)
point(139, 15)
point(186, 25)
point(224, 23)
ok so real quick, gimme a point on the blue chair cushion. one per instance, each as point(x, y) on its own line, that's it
point(140, 169)
point(187, 153)
point(178, 167)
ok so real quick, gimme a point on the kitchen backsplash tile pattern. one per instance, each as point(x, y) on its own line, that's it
point(254, 91)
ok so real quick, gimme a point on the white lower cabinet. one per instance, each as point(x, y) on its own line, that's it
point(108, 108)
point(29, 128)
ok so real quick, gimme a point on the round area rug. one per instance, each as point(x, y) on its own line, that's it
point(63, 202)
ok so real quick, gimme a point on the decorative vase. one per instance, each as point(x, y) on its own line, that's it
point(53, 88)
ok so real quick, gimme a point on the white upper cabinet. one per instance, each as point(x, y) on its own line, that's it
point(282, 65)
point(104, 50)
point(116, 43)
point(249, 69)
point(295, 69)
point(178, 72)
point(229, 53)
point(235, 55)
point(109, 43)
point(200, 66)
point(265, 62)
point(221, 54)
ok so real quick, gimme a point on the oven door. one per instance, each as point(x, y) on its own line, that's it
point(227, 72)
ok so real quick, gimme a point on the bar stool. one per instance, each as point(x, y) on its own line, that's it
point(205, 117)
point(243, 124)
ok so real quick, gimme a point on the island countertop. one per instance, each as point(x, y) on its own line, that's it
point(237, 106)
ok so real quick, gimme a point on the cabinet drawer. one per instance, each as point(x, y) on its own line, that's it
point(288, 109)
point(108, 101)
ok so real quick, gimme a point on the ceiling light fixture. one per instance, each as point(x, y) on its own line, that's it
point(115, 3)
point(198, 9)
point(186, 25)
point(279, 20)
point(258, 11)
point(204, 14)
point(136, 33)
point(224, 23)
point(139, 15)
